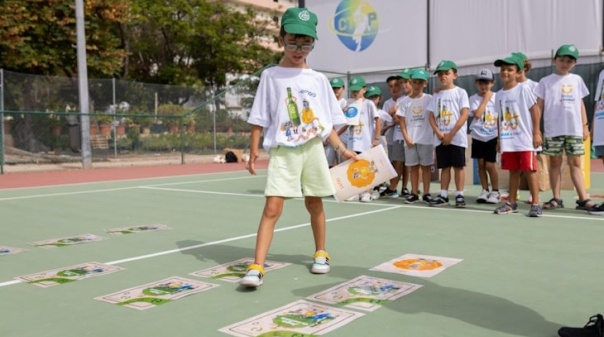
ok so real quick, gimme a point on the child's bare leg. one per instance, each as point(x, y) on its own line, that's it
point(574, 163)
point(493, 175)
point(533, 185)
point(273, 208)
point(405, 175)
point(555, 163)
point(398, 167)
point(314, 206)
point(460, 177)
point(414, 179)
point(514, 184)
point(445, 178)
point(482, 174)
point(426, 176)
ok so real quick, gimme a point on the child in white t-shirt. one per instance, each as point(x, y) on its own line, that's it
point(337, 84)
point(414, 121)
point(483, 131)
point(560, 97)
point(519, 133)
point(374, 93)
point(366, 131)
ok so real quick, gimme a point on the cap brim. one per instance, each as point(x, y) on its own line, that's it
point(356, 87)
point(484, 79)
point(293, 28)
point(442, 69)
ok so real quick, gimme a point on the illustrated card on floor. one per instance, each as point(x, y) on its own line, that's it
point(300, 318)
point(352, 177)
point(78, 272)
point(5, 250)
point(234, 271)
point(417, 265)
point(137, 229)
point(150, 295)
point(62, 242)
point(365, 293)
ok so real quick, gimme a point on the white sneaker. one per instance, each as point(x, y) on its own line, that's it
point(494, 197)
point(366, 197)
point(375, 195)
point(320, 263)
point(253, 276)
point(482, 198)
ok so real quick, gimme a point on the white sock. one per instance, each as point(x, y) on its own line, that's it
point(444, 193)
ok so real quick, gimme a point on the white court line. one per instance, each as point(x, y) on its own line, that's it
point(236, 238)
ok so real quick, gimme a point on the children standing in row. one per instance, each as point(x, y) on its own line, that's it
point(337, 84)
point(414, 122)
point(449, 114)
point(519, 133)
point(483, 131)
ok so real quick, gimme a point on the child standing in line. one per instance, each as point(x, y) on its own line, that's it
point(449, 114)
point(396, 149)
point(560, 97)
point(414, 120)
point(297, 109)
point(337, 84)
point(522, 78)
point(366, 134)
point(374, 94)
point(597, 131)
point(519, 133)
point(484, 135)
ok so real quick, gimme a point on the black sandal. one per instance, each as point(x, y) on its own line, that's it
point(584, 205)
point(553, 203)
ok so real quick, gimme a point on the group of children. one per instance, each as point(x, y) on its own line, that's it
point(297, 110)
point(419, 125)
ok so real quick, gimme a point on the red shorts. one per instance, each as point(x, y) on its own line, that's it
point(519, 161)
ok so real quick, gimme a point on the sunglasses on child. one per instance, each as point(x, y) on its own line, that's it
point(305, 48)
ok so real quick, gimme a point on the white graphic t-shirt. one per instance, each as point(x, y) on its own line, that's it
point(598, 121)
point(562, 97)
point(515, 123)
point(446, 106)
point(485, 127)
point(361, 135)
point(417, 119)
point(344, 136)
point(294, 105)
point(396, 129)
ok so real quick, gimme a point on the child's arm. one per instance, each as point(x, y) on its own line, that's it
point(584, 121)
point(483, 105)
point(437, 132)
point(254, 142)
point(403, 124)
point(536, 119)
point(337, 144)
point(463, 118)
point(378, 132)
point(540, 105)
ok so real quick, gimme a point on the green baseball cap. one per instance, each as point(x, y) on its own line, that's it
point(419, 74)
point(520, 55)
point(356, 83)
point(510, 60)
point(300, 21)
point(445, 65)
point(336, 82)
point(373, 91)
point(568, 50)
point(405, 74)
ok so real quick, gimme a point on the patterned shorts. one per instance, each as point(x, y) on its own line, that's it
point(573, 145)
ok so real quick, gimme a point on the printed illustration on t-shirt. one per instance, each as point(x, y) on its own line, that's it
point(509, 119)
point(361, 172)
point(567, 98)
point(444, 117)
point(301, 126)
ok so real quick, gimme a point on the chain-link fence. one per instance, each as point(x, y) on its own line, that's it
point(128, 121)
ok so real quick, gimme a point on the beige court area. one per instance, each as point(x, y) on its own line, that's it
point(518, 276)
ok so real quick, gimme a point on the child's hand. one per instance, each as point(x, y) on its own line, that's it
point(447, 138)
point(249, 165)
point(586, 132)
point(349, 154)
point(537, 139)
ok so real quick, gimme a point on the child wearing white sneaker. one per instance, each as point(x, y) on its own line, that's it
point(296, 107)
point(483, 131)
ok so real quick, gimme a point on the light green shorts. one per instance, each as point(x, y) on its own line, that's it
point(573, 145)
point(293, 170)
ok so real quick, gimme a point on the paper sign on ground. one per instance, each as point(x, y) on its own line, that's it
point(300, 318)
point(64, 275)
point(5, 250)
point(365, 293)
point(352, 177)
point(62, 242)
point(136, 229)
point(150, 295)
point(417, 265)
point(235, 270)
